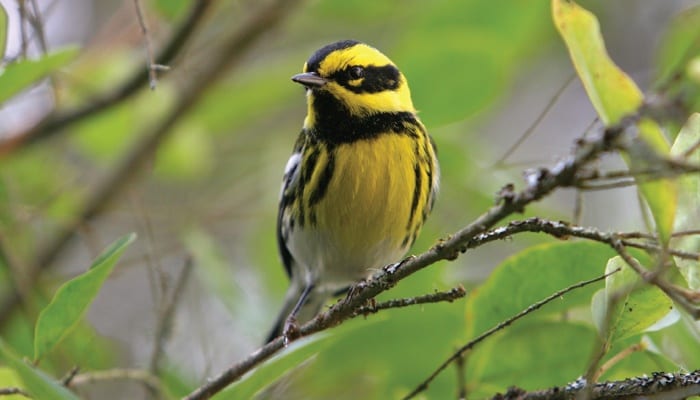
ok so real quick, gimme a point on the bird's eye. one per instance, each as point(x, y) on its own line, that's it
point(356, 72)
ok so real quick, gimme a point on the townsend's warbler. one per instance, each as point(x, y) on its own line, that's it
point(361, 180)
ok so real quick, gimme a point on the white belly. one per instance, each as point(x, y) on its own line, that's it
point(362, 219)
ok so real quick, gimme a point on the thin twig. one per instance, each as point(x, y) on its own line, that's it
point(152, 75)
point(56, 122)
point(437, 297)
point(590, 127)
point(636, 235)
point(602, 343)
point(617, 358)
point(66, 380)
point(679, 295)
point(230, 375)
point(459, 353)
point(688, 232)
point(37, 23)
point(669, 168)
point(165, 318)
point(138, 375)
point(587, 187)
point(689, 152)
point(225, 57)
point(563, 174)
point(23, 20)
point(9, 391)
point(563, 230)
point(552, 101)
point(461, 377)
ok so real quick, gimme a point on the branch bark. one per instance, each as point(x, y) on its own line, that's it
point(659, 386)
point(463, 350)
point(539, 183)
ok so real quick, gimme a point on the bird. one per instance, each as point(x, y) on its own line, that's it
point(361, 180)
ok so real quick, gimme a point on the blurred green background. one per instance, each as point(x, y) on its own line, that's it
point(480, 72)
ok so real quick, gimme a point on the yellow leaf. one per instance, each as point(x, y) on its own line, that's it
point(614, 95)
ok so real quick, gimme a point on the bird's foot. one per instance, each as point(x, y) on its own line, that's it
point(291, 330)
point(391, 268)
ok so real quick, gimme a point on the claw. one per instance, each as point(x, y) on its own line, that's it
point(391, 268)
point(356, 288)
point(291, 330)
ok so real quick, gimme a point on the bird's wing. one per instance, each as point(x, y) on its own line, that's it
point(290, 184)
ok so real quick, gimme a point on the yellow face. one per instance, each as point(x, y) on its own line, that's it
point(359, 79)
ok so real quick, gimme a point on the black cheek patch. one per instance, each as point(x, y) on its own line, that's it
point(376, 79)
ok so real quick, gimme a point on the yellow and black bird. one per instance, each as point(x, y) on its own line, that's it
point(360, 182)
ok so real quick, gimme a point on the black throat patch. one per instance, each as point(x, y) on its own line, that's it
point(334, 124)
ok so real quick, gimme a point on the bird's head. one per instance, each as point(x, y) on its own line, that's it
point(352, 79)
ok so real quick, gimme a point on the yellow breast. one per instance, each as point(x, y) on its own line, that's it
point(371, 209)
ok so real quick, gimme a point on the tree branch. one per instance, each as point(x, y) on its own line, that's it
point(57, 121)
point(660, 386)
point(9, 391)
point(679, 295)
point(539, 183)
point(223, 58)
point(165, 317)
point(437, 297)
point(641, 346)
point(152, 65)
point(460, 353)
point(563, 230)
point(138, 375)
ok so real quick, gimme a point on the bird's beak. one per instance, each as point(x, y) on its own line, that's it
point(309, 79)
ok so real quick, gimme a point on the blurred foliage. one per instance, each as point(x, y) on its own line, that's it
point(18, 75)
point(689, 201)
point(210, 192)
point(532, 275)
point(627, 307)
point(614, 96)
point(70, 303)
point(38, 384)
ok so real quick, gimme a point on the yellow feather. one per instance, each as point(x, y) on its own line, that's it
point(365, 103)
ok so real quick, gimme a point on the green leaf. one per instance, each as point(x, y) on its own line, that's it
point(72, 299)
point(640, 362)
point(22, 74)
point(694, 69)
point(679, 45)
point(37, 383)
point(688, 214)
point(545, 347)
point(614, 95)
point(532, 275)
point(628, 306)
point(680, 343)
point(3, 31)
point(459, 57)
point(274, 369)
point(8, 379)
point(387, 353)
